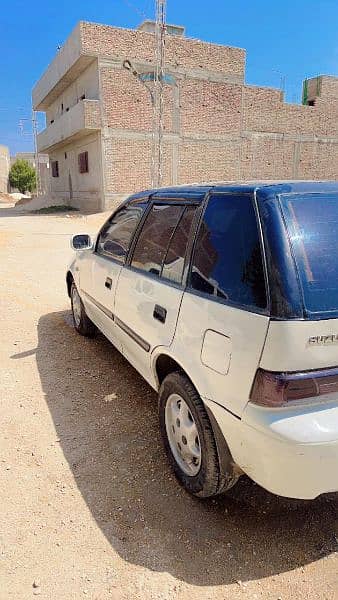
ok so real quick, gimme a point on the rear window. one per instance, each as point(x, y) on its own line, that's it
point(312, 223)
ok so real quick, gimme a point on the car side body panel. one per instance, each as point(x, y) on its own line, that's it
point(138, 329)
point(301, 345)
point(261, 445)
point(223, 370)
point(99, 299)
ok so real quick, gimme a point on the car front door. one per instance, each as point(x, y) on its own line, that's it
point(100, 270)
point(150, 287)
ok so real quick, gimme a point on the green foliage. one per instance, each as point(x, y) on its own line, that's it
point(22, 176)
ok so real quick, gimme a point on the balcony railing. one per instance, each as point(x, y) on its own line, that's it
point(78, 120)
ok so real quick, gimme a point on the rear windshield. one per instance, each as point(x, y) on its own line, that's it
point(312, 223)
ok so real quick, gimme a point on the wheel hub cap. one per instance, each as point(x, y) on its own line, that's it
point(183, 435)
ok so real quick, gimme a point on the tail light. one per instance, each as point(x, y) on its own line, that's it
point(280, 389)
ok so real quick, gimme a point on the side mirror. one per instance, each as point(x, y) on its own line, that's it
point(81, 241)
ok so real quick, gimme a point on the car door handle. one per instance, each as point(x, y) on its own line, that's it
point(108, 283)
point(160, 313)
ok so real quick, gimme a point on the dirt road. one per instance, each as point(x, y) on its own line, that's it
point(88, 507)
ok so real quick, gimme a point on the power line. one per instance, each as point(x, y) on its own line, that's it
point(135, 9)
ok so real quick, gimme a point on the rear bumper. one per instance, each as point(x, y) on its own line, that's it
point(289, 453)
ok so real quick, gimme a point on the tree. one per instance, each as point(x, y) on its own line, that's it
point(22, 176)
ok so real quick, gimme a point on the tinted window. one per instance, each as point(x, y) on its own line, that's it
point(152, 244)
point(116, 235)
point(174, 261)
point(227, 261)
point(312, 222)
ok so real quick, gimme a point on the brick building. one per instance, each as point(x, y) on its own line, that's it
point(98, 132)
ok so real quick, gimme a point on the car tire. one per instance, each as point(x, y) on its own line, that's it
point(82, 323)
point(188, 438)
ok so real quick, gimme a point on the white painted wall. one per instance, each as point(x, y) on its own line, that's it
point(87, 83)
point(4, 168)
point(86, 187)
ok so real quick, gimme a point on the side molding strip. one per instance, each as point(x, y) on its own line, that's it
point(107, 312)
point(140, 341)
point(134, 336)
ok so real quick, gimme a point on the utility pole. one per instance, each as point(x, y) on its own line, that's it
point(156, 92)
point(34, 132)
point(36, 153)
point(158, 106)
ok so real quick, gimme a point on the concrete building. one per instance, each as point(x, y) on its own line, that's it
point(44, 186)
point(4, 168)
point(99, 116)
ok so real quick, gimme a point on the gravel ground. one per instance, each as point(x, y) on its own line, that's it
point(88, 506)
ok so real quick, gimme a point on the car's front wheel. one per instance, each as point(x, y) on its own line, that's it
point(188, 437)
point(82, 322)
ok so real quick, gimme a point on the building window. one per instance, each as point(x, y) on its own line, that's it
point(55, 168)
point(83, 162)
point(65, 155)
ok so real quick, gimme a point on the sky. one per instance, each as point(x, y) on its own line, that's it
point(291, 39)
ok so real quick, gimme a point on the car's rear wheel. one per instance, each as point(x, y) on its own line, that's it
point(82, 323)
point(188, 437)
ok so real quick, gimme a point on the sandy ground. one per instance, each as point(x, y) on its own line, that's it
point(88, 506)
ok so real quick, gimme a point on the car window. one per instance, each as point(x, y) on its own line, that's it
point(116, 235)
point(153, 241)
point(173, 265)
point(227, 261)
point(312, 223)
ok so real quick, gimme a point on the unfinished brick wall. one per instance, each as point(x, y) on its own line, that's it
point(215, 126)
point(180, 52)
point(223, 132)
point(203, 161)
point(127, 103)
point(264, 110)
point(209, 107)
point(128, 165)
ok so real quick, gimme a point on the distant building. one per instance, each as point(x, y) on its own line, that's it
point(44, 186)
point(4, 168)
point(99, 117)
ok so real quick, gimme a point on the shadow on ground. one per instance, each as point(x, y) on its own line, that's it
point(10, 210)
point(106, 420)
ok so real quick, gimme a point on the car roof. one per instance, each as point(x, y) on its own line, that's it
point(266, 188)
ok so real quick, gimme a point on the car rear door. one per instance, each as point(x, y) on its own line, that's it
point(150, 288)
point(100, 270)
point(224, 314)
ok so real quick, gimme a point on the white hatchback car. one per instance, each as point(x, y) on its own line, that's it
point(225, 299)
